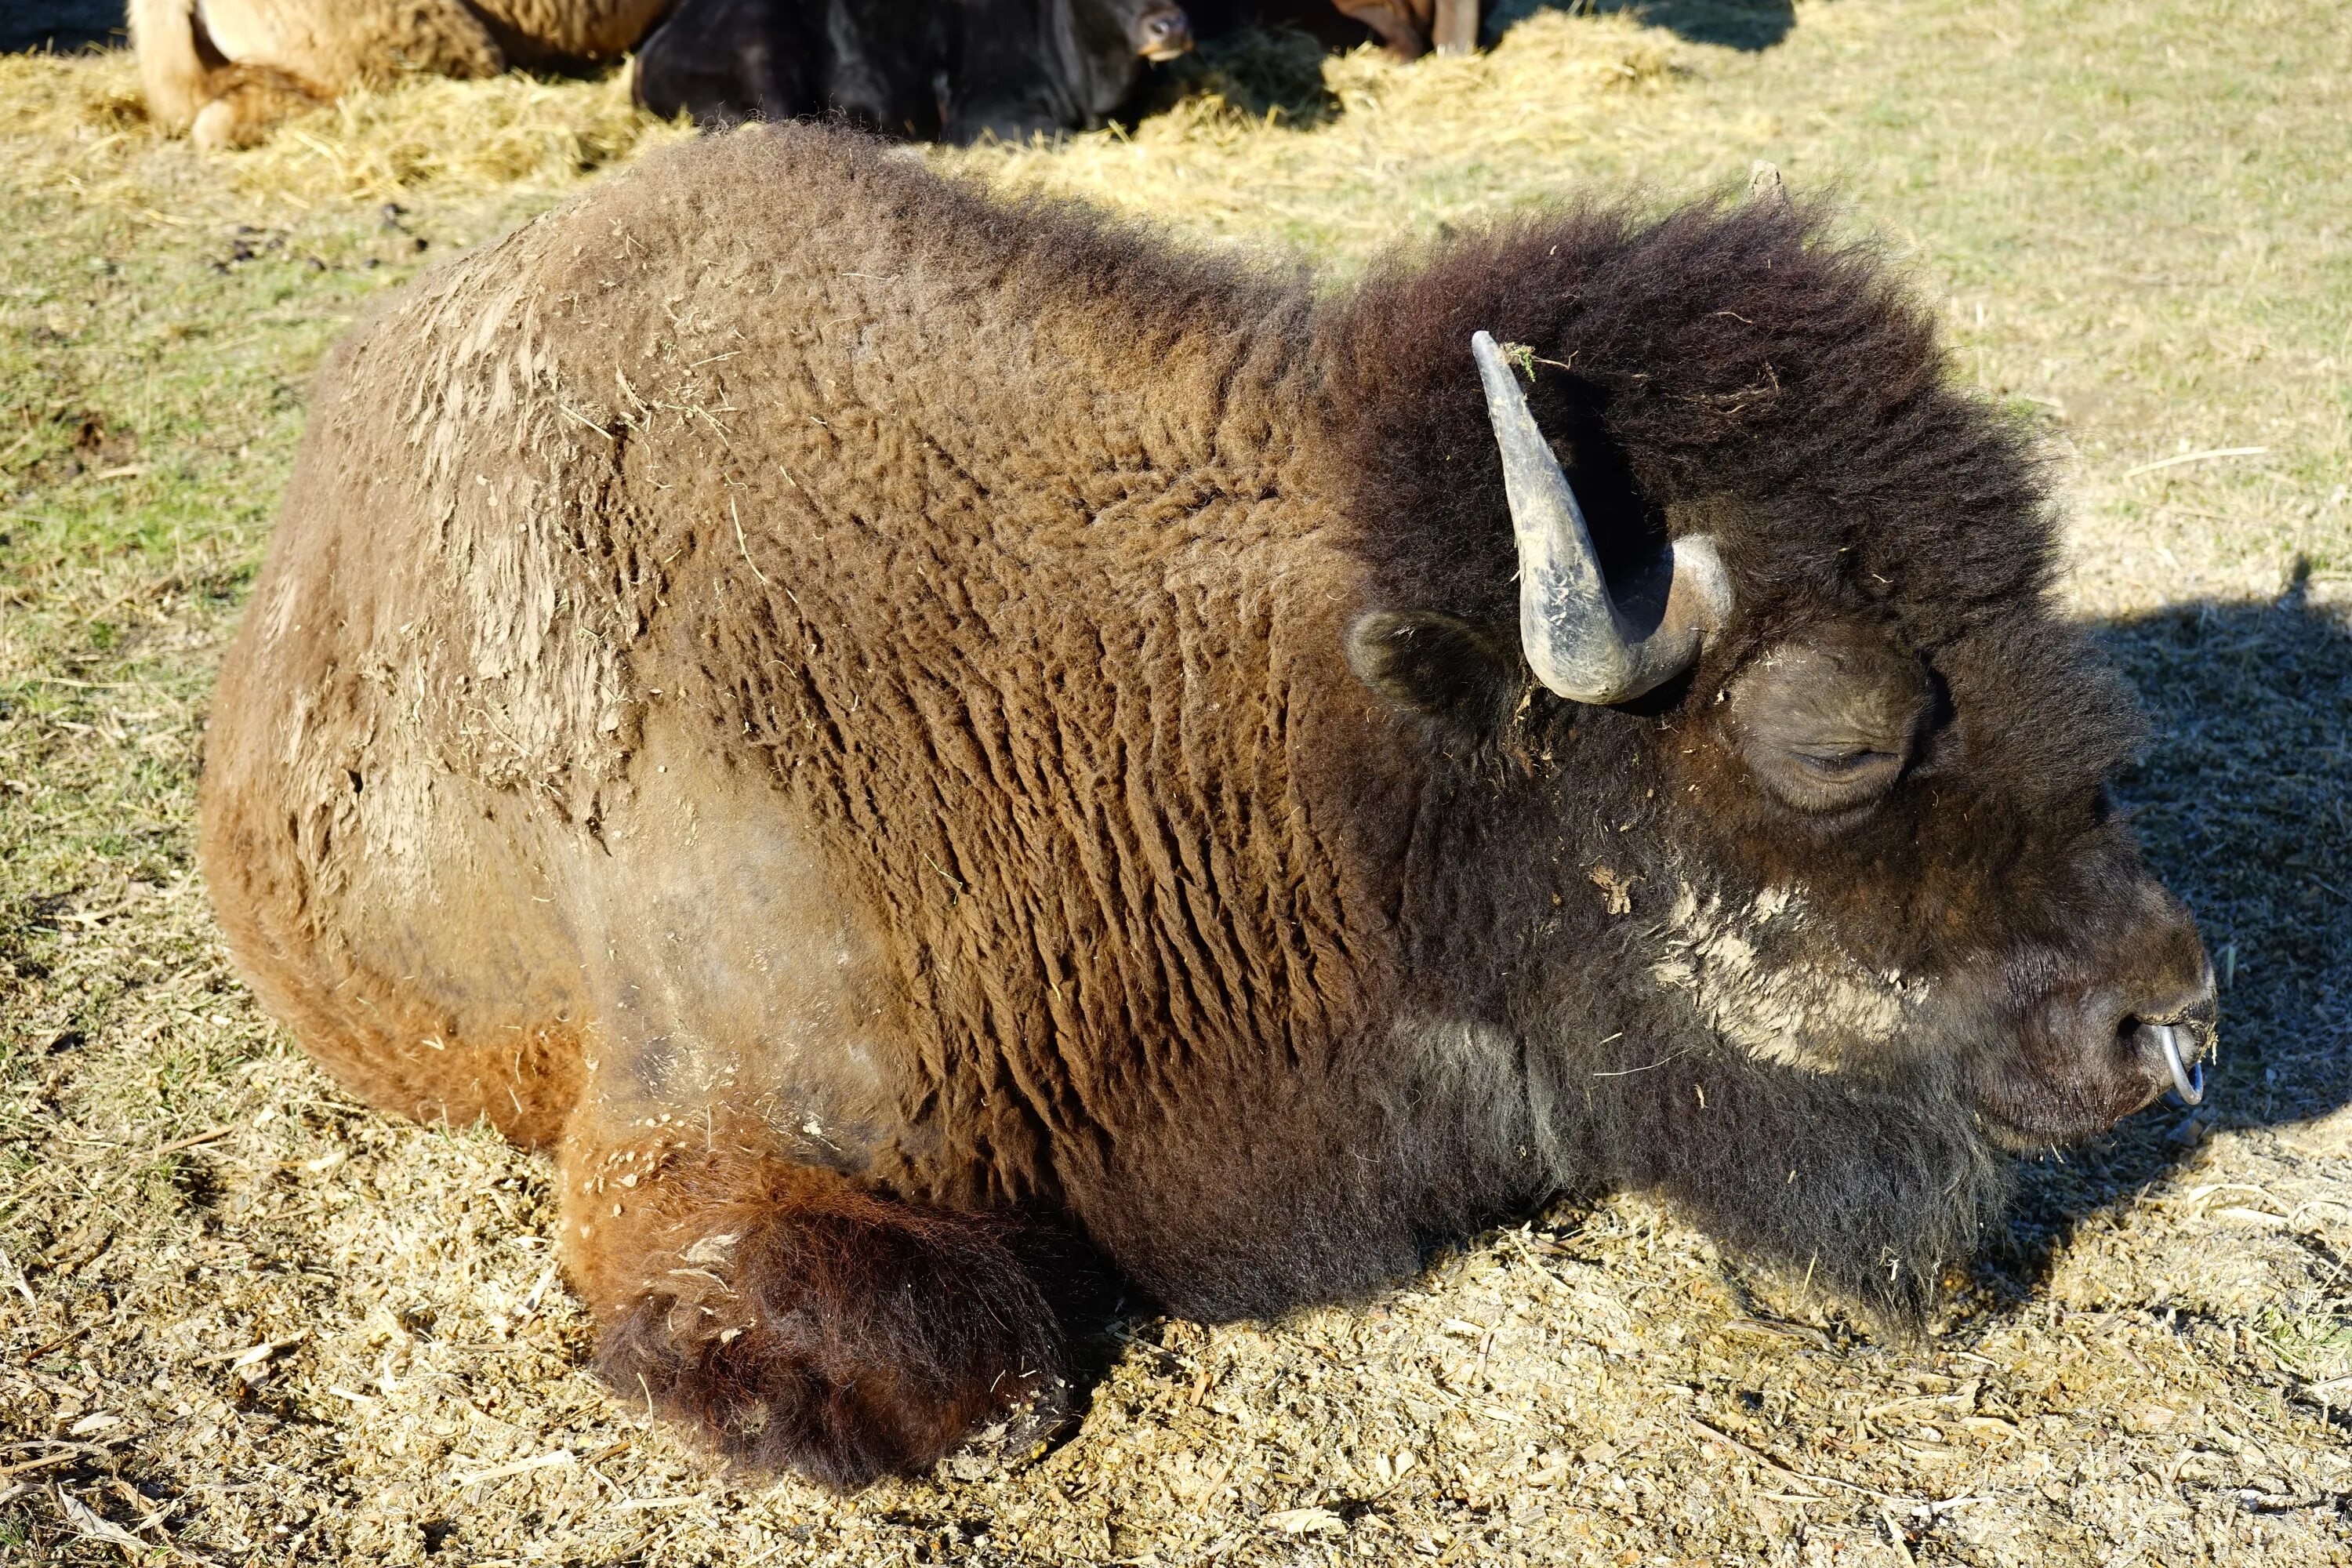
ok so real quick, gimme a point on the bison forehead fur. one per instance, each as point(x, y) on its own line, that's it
point(819, 693)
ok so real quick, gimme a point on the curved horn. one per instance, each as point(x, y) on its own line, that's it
point(1576, 636)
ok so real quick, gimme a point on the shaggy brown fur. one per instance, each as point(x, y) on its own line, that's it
point(795, 1317)
point(227, 70)
point(839, 706)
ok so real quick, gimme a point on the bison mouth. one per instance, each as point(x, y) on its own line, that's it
point(2028, 1106)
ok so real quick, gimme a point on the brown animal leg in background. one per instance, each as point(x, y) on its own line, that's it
point(1402, 25)
point(244, 103)
point(796, 1320)
point(1456, 29)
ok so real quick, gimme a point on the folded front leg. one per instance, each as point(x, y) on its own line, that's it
point(800, 1323)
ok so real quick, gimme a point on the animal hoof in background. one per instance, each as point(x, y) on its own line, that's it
point(247, 108)
point(218, 128)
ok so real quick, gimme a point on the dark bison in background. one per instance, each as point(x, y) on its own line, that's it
point(913, 740)
point(914, 69)
point(60, 25)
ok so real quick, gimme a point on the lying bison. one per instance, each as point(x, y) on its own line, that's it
point(914, 739)
point(226, 71)
point(915, 68)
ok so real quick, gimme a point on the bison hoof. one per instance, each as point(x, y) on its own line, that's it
point(849, 1347)
point(1014, 1438)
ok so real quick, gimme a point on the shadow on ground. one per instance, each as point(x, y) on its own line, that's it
point(1748, 25)
point(1267, 64)
point(1270, 74)
point(2244, 804)
point(59, 26)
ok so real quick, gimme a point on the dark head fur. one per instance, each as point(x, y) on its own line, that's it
point(1969, 942)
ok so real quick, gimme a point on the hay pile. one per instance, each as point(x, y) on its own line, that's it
point(1269, 138)
point(243, 1320)
point(418, 137)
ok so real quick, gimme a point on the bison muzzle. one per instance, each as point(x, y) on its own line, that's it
point(933, 747)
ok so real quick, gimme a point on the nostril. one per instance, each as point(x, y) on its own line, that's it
point(2171, 1048)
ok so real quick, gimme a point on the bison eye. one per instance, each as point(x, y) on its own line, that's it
point(1846, 765)
point(1836, 779)
point(1829, 725)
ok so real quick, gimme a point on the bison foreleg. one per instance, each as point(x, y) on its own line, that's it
point(244, 104)
point(798, 1322)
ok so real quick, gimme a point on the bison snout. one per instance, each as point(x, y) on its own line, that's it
point(2105, 1032)
point(1164, 33)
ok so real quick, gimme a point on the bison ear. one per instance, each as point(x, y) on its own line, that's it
point(1437, 665)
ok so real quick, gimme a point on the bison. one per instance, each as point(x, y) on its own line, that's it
point(934, 748)
point(225, 72)
point(916, 68)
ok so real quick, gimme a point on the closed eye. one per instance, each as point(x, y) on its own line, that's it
point(1829, 727)
point(1813, 776)
point(1846, 765)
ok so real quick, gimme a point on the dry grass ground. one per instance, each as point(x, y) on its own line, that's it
point(243, 1321)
